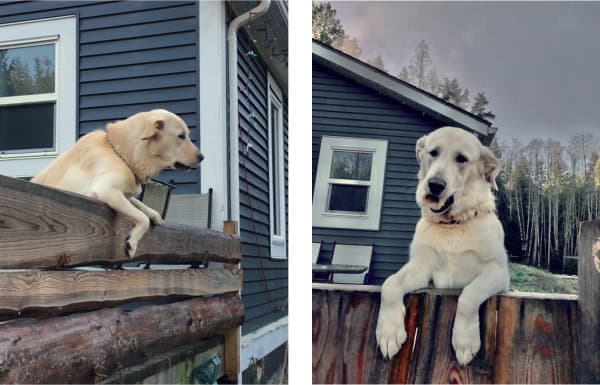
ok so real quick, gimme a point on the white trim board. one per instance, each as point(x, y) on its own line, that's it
point(263, 341)
point(213, 106)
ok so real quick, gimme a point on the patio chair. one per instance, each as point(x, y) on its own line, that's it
point(351, 255)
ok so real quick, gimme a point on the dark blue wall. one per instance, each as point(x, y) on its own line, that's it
point(133, 56)
point(341, 107)
point(265, 280)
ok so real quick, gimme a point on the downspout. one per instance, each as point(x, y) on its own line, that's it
point(234, 161)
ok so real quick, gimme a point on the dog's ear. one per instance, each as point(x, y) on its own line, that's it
point(420, 146)
point(152, 127)
point(489, 166)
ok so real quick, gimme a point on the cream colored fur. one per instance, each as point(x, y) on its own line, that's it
point(462, 247)
point(147, 143)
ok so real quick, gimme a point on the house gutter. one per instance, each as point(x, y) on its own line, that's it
point(232, 63)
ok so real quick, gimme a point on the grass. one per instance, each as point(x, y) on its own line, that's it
point(531, 279)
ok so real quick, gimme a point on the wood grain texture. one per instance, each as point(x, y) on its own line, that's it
point(344, 344)
point(41, 227)
point(523, 340)
point(89, 347)
point(27, 293)
point(434, 358)
point(588, 248)
point(536, 341)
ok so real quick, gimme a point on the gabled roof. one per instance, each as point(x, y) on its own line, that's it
point(401, 91)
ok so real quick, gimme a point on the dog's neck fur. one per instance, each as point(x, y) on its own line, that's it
point(118, 137)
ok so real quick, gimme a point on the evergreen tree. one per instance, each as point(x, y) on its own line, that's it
point(481, 108)
point(325, 26)
point(377, 62)
point(404, 75)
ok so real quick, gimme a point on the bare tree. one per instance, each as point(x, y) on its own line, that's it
point(419, 64)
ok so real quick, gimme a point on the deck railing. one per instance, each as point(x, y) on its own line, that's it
point(60, 324)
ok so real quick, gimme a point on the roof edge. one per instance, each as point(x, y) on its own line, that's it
point(398, 89)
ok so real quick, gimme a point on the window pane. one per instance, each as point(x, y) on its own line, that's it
point(351, 165)
point(27, 70)
point(27, 127)
point(348, 198)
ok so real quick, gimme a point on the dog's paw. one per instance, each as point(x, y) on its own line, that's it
point(155, 217)
point(390, 332)
point(130, 247)
point(465, 338)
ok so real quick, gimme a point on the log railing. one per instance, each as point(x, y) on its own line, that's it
point(61, 325)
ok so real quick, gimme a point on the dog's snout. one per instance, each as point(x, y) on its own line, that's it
point(436, 186)
point(200, 157)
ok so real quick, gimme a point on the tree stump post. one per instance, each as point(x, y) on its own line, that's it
point(588, 246)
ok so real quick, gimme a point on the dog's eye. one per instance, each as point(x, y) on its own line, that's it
point(181, 136)
point(461, 159)
point(433, 153)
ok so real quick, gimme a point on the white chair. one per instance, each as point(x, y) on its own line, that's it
point(190, 209)
point(316, 248)
point(351, 255)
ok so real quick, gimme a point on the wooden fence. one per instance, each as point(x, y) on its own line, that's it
point(61, 325)
point(525, 337)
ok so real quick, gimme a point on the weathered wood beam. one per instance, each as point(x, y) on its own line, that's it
point(52, 292)
point(41, 227)
point(90, 347)
point(588, 248)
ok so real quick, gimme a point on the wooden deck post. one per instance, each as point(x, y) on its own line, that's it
point(231, 366)
point(588, 246)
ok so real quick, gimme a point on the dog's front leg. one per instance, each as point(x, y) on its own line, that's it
point(117, 201)
point(150, 212)
point(465, 334)
point(390, 332)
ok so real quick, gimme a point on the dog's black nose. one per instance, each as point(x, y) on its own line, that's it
point(200, 157)
point(436, 186)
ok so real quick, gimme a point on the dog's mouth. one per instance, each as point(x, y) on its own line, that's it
point(446, 205)
point(180, 166)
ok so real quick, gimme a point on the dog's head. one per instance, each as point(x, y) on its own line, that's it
point(456, 172)
point(166, 137)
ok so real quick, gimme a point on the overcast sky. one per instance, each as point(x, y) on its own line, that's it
point(538, 63)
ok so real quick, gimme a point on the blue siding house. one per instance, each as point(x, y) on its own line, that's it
point(69, 67)
point(371, 120)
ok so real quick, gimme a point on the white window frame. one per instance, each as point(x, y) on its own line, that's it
point(62, 32)
point(278, 241)
point(369, 220)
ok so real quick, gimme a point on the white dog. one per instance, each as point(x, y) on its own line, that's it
point(458, 242)
point(112, 165)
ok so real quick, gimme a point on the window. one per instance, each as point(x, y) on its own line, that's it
point(37, 93)
point(349, 183)
point(276, 172)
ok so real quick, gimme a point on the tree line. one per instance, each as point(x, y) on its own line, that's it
point(546, 188)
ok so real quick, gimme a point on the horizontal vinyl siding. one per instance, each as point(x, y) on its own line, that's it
point(264, 293)
point(342, 107)
point(133, 56)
